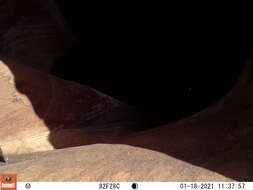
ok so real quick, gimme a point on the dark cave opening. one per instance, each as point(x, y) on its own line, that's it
point(165, 70)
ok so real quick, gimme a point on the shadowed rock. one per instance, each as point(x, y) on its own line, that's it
point(41, 113)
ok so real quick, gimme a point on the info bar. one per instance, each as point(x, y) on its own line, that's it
point(135, 185)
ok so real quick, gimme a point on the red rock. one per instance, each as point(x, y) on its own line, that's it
point(40, 113)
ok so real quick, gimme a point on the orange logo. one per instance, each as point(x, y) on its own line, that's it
point(8, 182)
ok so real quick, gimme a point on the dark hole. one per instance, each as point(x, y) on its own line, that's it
point(168, 69)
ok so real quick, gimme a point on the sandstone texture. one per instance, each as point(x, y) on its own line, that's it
point(57, 130)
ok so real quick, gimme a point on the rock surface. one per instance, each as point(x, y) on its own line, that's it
point(38, 112)
point(41, 113)
point(103, 162)
point(34, 33)
point(214, 144)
